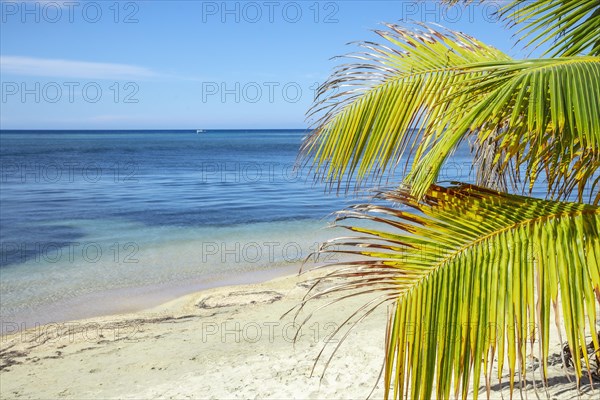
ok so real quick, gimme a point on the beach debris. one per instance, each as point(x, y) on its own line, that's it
point(239, 299)
point(593, 356)
point(9, 358)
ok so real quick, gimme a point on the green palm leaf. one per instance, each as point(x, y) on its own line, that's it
point(543, 115)
point(369, 111)
point(572, 27)
point(471, 271)
point(429, 89)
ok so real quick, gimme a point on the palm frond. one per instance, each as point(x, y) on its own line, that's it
point(470, 273)
point(572, 27)
point(370, 112)
point(542, 113)
point(429, 89)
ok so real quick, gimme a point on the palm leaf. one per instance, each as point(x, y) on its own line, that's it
point(572, 27)
point(470, 273)
point(369, 111)
point(430, 89)
point(542, 113)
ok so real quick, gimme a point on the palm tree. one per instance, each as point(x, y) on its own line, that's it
point(469, 269)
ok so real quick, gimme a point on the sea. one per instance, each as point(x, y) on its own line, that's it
point(102, 222)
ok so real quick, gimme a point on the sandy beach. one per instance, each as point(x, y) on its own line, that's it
point(223, 343)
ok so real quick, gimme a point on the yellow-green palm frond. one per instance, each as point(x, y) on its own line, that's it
point(473, 275)
point(570, 27)
point(370, 112)
point(427, 90)
point(542, 115)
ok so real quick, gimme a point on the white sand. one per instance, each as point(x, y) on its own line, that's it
point(221, 343)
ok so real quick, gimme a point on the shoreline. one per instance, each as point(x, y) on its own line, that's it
point(227, 326)
point(224, 342)
point(181, 261)
point(137, 299)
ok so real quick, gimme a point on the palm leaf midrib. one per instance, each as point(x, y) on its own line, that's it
point(515, 226)
point(532, 65)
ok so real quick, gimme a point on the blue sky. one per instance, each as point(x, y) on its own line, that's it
point(191, 64)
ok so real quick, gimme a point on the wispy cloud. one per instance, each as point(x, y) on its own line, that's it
point(31, 66)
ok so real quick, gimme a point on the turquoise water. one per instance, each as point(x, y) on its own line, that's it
point(98, 222)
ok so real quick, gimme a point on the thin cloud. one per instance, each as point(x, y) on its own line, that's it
point(30, 66)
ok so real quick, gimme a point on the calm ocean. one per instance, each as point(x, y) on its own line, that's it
point(97, 222)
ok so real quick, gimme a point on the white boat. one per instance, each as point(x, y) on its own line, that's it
point(200, 131)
